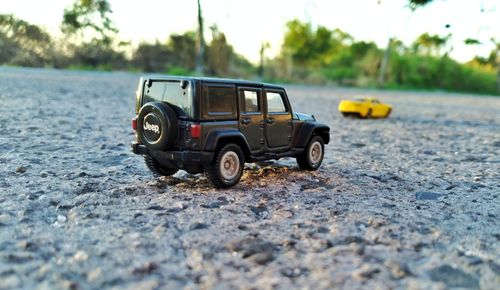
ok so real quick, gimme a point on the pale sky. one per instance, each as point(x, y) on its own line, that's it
point(248, 23)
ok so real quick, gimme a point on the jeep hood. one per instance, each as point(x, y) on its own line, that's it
point(304, 117)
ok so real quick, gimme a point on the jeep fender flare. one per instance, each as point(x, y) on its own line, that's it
point(215, 138)
point(307, 131)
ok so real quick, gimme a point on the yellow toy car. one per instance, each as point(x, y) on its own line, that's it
point(365, 108)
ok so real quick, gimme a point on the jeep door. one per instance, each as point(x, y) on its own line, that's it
point(278, 119)
point(252, 117)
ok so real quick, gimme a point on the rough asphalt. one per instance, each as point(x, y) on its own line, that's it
point(408, 202)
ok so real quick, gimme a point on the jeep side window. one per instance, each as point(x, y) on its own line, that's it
point(251, 102)
point(275, 103)
point(220, 101)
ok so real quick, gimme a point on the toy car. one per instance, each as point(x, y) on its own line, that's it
point(365, 108)
point(216, 125)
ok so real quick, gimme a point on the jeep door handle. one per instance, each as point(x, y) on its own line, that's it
point(270, 121)
point(245, 121)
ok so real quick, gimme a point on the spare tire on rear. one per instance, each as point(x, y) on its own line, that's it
point(157, 125)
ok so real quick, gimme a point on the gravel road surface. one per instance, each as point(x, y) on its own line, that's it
point(408, 202)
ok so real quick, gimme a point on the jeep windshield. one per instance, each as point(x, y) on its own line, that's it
point(177, 93)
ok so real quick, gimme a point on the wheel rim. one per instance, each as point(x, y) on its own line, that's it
point(229, 165)
point(315, 152)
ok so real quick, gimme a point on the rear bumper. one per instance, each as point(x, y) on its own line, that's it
point(181, 159)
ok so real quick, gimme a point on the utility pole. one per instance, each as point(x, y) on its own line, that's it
point(497, 62)
point(201, 44)
point(263, 48)
point(385, 62)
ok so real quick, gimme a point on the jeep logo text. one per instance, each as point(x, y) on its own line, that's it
point(154, 128)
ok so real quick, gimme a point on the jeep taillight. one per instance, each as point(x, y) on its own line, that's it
point(195, 130)
point(134, 123)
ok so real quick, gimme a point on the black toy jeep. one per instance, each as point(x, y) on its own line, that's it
point(216, 125)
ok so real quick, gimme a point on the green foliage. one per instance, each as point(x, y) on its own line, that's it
point(183, 50)
point(471, 41)
point(151, 57)
point(329, 55)
point(218, 55)
point(95, 54)
point(312, 48)
point(417, 71)
point(179, 71)
point(89, 16)
point(178, 51)
point(22, 43)
point(321, 56)
point(178, 56)
point(309, 55)
point(429, 44)
point(414, 4)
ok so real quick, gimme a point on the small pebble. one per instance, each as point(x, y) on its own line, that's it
point(80, 256)
point(61, 219)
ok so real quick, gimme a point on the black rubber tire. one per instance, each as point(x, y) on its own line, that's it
point(368, 114)
point(345, 114)
point(214, 168)
point(161, 115)
point(304, 161)
point(156, 167)
point(388, 113)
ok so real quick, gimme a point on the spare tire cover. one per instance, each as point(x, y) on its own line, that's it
point(157, 125)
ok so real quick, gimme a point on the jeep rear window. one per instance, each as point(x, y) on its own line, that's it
point(172, 93)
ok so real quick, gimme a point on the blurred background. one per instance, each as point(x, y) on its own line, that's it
point(401, 44)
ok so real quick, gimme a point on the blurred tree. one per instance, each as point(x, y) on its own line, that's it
point(430, 44)
point(89, 16)
point(414, 4)
point(151, 57)
point(183, 50)
point(177, 54)
point(298, 41)
point(219, 54)
point(93, 44)
point(310, 48)
point(92, 54)
point(263, 47)
point(471, 41)
point(223, 61)
point(22, 43)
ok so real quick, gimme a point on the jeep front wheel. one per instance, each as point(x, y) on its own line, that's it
point(226, 169)
point(312, 156)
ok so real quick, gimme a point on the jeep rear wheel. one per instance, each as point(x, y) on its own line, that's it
point(157, 168)
point(226, 169)
point(312, 156)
